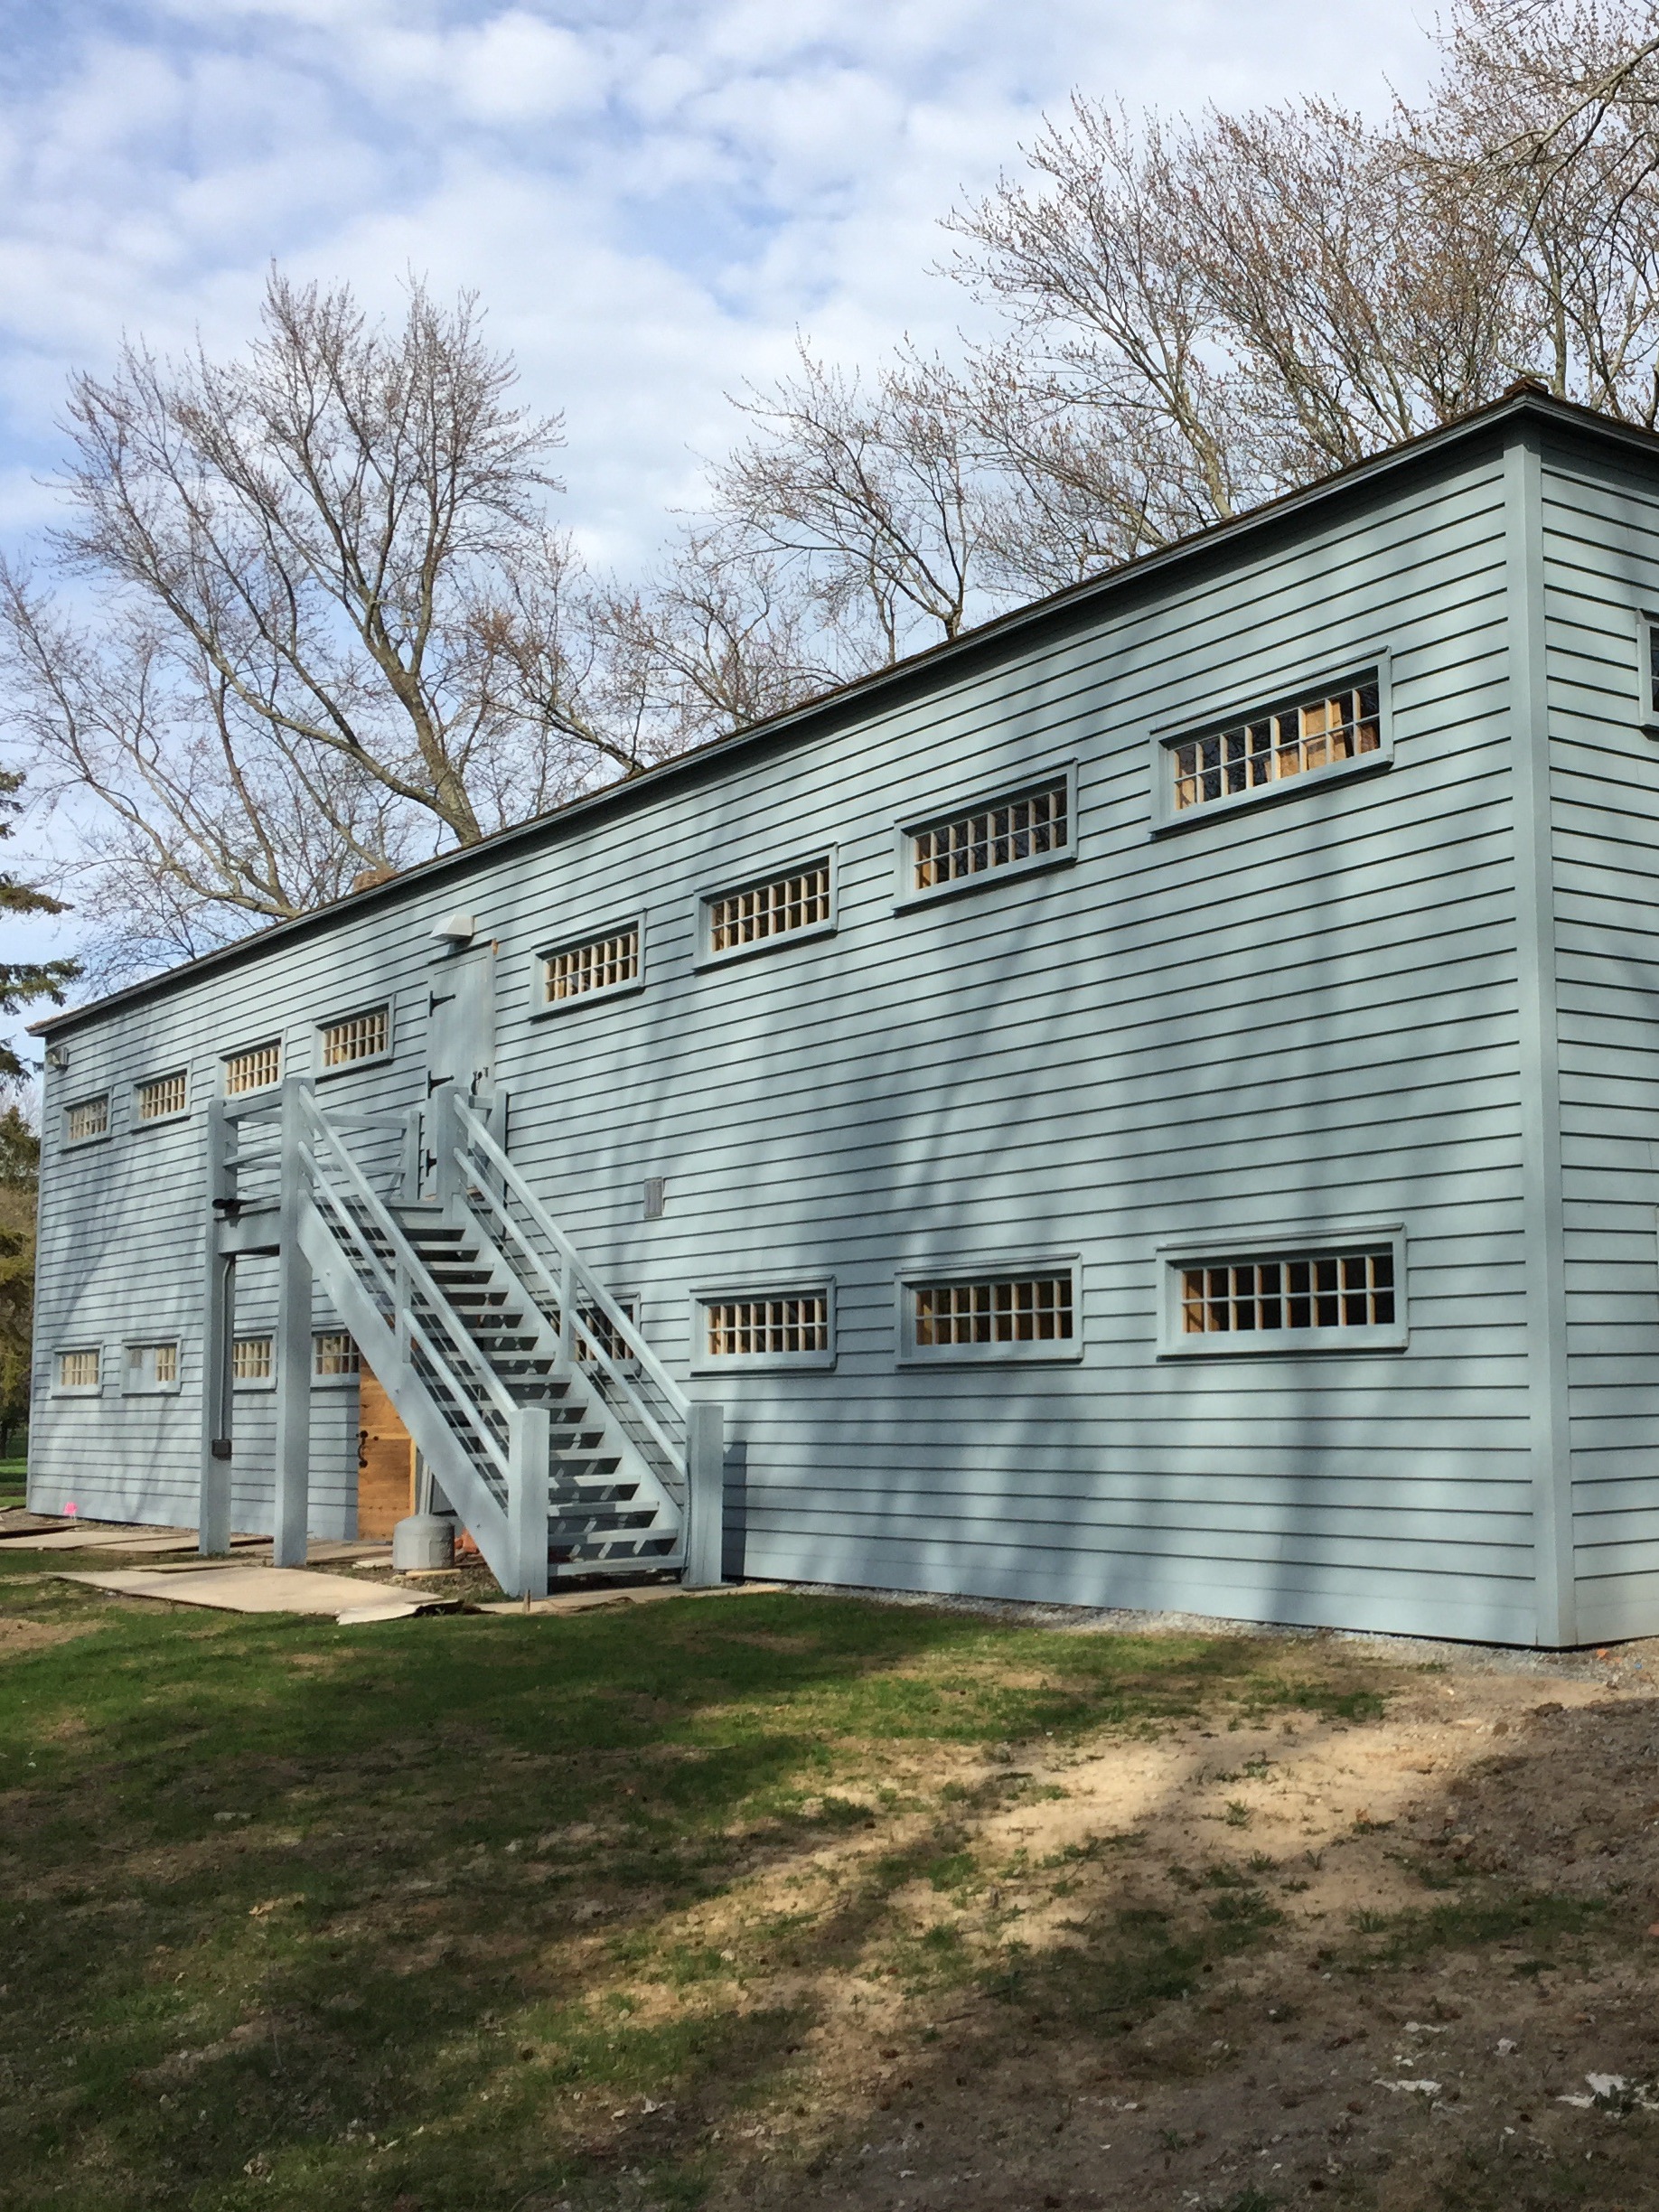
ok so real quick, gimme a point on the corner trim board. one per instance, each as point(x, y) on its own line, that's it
point(1543, 1213)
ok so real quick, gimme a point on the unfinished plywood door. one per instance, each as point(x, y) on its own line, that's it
point(385, 1461)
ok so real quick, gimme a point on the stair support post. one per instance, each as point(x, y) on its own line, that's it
point(529, 1446)
point(705, 1495)
point(218, 1309)
point(292, 1520)
point(443, 1134)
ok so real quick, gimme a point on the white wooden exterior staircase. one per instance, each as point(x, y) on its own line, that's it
point(550, 1425)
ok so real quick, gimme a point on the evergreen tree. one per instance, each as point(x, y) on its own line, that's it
point(21, 980)
point(20, 1157)
point(20, 1148)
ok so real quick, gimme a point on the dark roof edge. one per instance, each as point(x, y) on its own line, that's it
point(1520, 400)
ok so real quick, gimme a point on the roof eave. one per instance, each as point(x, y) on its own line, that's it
point(1522, 400)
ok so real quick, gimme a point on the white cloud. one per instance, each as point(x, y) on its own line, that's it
point(517, 70)
point(650, 199)
point(648, 195)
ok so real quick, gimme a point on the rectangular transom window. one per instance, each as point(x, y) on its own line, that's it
point(1304, 1291)
point(87, 1118)
point(797, 901)
point(1002, 834)
point(152, 1366)
point(251, 1360)
point(360, 1036)
point(332, 1353)
point(600, 964)
point(256, 1069)
point(766, 1327)
point(1007, 1310)
point(1330, 1288)
point(1318, 732)
point(164, 1095)
point(79, 1370)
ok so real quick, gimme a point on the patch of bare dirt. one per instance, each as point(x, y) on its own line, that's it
point(1449, 1996)
point(18, 1636)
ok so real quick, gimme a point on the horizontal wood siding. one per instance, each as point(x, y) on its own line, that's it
point(1290, 1016)
point(1602, 553)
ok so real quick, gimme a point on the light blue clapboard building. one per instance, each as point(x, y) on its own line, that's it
point(1154, 1104)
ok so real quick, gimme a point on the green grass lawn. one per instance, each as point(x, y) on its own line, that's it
point(14, 1474)
point(460, 1913)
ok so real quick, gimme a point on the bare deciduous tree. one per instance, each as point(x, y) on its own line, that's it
point(1200, 314)
point(864, 497)
point(1546, 127)
point(333, 628)
point(725, 636)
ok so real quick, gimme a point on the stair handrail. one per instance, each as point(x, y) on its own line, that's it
point(472, 1374)
point(404, 1323)
point(624, 1400)
point(590, 1288)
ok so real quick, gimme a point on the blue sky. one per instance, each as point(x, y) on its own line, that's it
point(651, 198)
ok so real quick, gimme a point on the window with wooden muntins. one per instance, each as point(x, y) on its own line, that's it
point(251, 1359)
point(762, 1327)
point(164, 1095)
point(78, 1370)
point(88, 1118)
point(152, 1366)
point(600, 964)
point(361, 1036)
point(254, 1070)
point(332, 1353)
point(1316, 733)
point(597, 1333)
point(998, 836)
point(1311, 1291)
point(795, 902)
point(1000, 1311)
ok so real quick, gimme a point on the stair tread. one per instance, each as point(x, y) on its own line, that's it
point(489, 1329)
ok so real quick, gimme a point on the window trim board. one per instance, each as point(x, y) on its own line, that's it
point(1648, 669)
point(567, 940)
point(824, 855)
point(1200, 721)
point(994, 1267)
point(1171, 1255)
point(704, 1295)
point(915, 819)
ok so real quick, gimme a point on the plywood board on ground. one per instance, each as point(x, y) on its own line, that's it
point(18, 1521)
point(589, 1601)
point(119, 1536)
point(260, 1590)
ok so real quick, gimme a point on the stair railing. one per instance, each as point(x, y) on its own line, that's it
point(490, 1453)
point(592, 1328)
